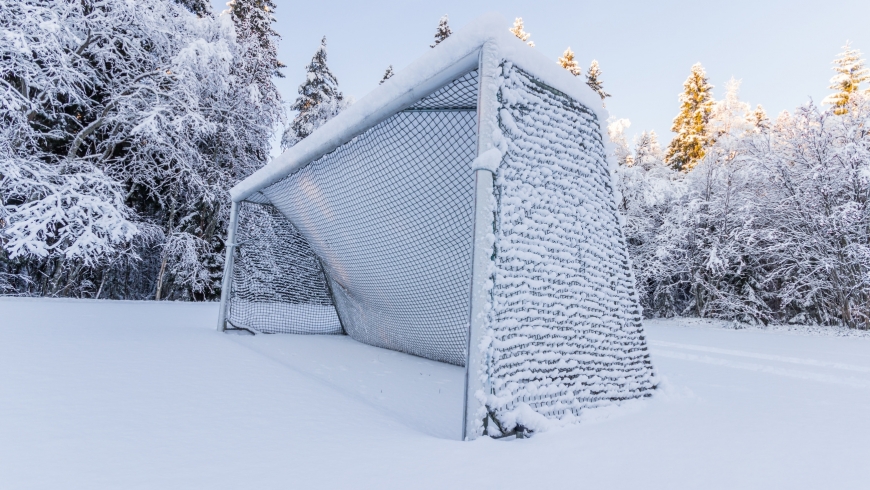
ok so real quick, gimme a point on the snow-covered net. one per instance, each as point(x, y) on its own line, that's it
point(278, 282)
point(565, 328)
point(388, 215)
point(384, 226)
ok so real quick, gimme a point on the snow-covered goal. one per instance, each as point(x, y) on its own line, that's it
point(464, 211)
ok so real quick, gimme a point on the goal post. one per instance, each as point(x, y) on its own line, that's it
point(463, 212)
point(226, 283)
point(481, 270)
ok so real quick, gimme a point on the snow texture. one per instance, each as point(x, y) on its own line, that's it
point(564, 327)
point(488, 160)
point(144, 395)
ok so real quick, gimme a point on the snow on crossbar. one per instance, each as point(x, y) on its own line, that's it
point(464, 212)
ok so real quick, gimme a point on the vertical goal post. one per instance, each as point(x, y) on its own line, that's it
point(226, 283)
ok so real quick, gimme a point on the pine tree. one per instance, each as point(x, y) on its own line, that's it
point(201, 8)
point(647, 151)
point(442, 32)
point(593, 79)
point(616, 132)
point(319, 99)
point(759, 120)
point(253, 20)
point(730, 116)
point(691, 124)
point(851, 73)
point(387, 75)
point(518, 31)
point(568, 62)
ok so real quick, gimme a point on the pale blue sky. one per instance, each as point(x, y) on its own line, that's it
point(782, 50)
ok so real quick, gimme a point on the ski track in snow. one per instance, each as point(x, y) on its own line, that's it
point(763, 368)
point(766, 357)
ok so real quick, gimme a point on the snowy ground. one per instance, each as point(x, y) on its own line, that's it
point(99, 394)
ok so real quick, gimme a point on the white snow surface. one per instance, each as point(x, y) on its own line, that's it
point(118, 394)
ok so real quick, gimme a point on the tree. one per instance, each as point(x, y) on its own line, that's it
point(201, 8)
point(730, 116)
point(593, 79)
point(442, 32)
point(387, 75)
point(519, 31)
point(319, 99)
point(127, 125)
point(691, 124)
point(647, 150)
point(568, 62)
point(616, 132)
point(759, 120)
point(851, 73)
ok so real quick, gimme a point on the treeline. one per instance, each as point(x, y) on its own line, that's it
point(749, 219)
point(122, 127)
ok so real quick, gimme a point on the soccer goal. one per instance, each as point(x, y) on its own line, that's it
point(464, 212)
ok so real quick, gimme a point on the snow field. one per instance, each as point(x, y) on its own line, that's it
point(100, 394)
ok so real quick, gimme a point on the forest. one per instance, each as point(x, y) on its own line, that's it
point(123, 126)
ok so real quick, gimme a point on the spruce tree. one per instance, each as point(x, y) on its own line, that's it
point(442, 32)
point(568, 62)
point(647, 151)
point(519, 31)
point(758, 119)
point(851, 73)
point(731, 117)
point(593, 79)
point(254, 69)
point(616, 132)
point(691, 124)
point(387, 75)
point(201, 8)
point(319, 99)
point(253, 20)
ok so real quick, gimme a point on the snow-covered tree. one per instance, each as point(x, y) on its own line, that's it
point(319, 99)
point(851, 73)
point(442, 32)
point(817, 219)
point(771, 225)
point(759, 120)
point(593, 79)
point(198, 7)
point(387, 75)
point(616, 132)
point(647, 150)
point(568, 62)
point(125, 124)
point(691, 124)
point(254, 72)
point(518, 30)
point(730, 116)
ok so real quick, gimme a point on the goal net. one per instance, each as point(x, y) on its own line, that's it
point(408, 235)
point(389, 214)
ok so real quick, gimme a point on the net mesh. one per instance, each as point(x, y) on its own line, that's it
point(278, 282)
point(388, 217)
point(564, 324)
